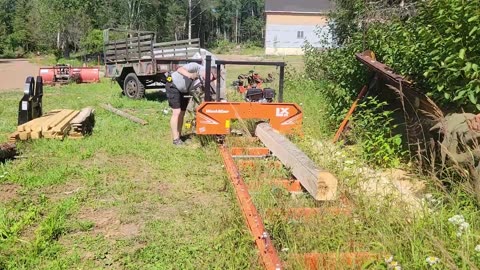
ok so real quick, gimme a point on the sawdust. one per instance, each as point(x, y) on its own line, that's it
point(8, 192)
point(382, 185)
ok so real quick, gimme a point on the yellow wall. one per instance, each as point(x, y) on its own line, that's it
point(284, 51)
point(295, 19)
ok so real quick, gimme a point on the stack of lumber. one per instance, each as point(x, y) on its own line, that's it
point(83, 123)
point(56, 125)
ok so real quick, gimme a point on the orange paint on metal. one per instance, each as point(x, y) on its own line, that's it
point(283, 117)
point(317, 261)
point(251, 151)
point(252, 164)
point(290, 185)
point(246, 164)
point(349, 113)
point(268, 254)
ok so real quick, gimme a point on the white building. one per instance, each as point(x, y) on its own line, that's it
point(289, 23)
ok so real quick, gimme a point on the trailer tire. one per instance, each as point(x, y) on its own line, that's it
point(132, 87)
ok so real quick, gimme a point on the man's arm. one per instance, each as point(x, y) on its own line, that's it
point(187, 74)
point(189, 70)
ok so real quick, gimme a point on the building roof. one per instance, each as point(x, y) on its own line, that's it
point(298, 6)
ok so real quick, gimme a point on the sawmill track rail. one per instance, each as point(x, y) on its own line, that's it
point(240, 160)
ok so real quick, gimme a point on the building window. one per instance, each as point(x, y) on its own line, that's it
point(300, 34)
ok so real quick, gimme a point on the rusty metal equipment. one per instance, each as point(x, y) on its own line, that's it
point(251, 80)
point(63, 74)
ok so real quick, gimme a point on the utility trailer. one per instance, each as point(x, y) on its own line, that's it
point(136, 62)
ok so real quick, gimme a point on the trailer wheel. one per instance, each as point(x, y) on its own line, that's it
point(132, 87)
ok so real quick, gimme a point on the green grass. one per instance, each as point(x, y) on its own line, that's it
point(123, 198)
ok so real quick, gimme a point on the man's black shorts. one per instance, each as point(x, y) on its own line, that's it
point(176, 100)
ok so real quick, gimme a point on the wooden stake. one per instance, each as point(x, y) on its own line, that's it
point(109, 107)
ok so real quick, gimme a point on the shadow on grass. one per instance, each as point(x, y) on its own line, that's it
point(156, 95)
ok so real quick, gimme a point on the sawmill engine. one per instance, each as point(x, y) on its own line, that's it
point(266, 95)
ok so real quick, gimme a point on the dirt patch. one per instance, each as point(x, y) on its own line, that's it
point(13, 73)
point(8, 192)
point(107, 223)
point(59, 192)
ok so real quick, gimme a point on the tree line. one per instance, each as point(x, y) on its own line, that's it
point(76, 25)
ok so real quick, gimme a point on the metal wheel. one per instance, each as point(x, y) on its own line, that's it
point(132, 87)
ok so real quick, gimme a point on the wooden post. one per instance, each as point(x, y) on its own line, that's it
point(109, 107)
point(321, 184)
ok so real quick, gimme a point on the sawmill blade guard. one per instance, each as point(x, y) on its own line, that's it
point(214, 117)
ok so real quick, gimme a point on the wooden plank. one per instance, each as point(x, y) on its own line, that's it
point(23, 136)
point(46, 124)
point(124, 45)
point(36, 126)
point(179, 42)
point(82, 116)
point(131, 51)
point(13, 137)
point(29, 125)
point(109, 107)
point(56, 119)
point(65, 124)
point(321, 184)
point(131, 40)
point(35, 135)
point(21, 127)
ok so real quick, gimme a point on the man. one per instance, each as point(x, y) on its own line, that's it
point(184, 80)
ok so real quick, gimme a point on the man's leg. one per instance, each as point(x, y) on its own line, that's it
point(183, 108)
point(175, 122)
point(174, 101)
point(181, 116)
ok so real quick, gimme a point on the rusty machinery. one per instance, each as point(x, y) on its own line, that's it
point(62, 74)
point(251, 80)
point(214, 117)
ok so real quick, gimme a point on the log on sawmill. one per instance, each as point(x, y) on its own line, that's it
point(321, 184)
point(109, 107)
point(7, 151)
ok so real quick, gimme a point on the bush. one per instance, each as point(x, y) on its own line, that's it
point(438, 48)
point(223, 46)
point(373, 130)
